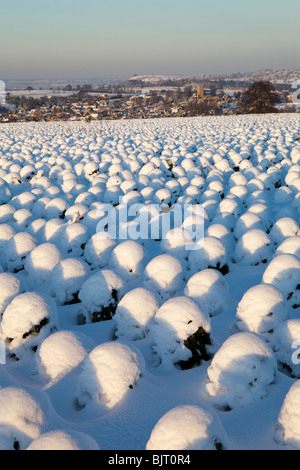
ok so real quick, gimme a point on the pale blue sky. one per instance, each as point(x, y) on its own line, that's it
point(119, 38)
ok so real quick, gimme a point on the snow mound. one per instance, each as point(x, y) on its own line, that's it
point(63, 440)
point(7, 212)
point(253, 247)
point(223, 234)
point(76, 213)
point(6, 233)
point(290, 246)
point(5, 193)
point(210, 290)
point(262, 210)
point(287, 428)
point(27, 321)
point(229, 205)
point(16, 250)
point(67, 278)
point(134, 313)
point(52, 230)
point(261, 310)
point(10, 288)
point(209, 252)
point(108, 373)
point(286, 346)
point(99, 295)
point(22, 218)
point(181, 333)
point(24, 415)
point(128, 259)
point(40, 262)
point(176, 242)
point(56, 208)
point(284, 273)
point(284, 228)
point(188, 427)
point(61, 352)
point(98, 250)
point(72, 240)
point(35, 228)
point(241, 371)
point(164, 275)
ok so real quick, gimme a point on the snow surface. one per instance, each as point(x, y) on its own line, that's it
point(99, 332)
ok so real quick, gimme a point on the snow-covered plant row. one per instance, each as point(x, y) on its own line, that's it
point(185, 338)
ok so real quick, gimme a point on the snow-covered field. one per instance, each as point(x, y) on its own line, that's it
point(143, 343)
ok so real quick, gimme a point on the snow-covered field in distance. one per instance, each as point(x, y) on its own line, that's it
point(143, 344)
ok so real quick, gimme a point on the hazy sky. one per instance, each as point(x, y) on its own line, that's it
point(119, 38)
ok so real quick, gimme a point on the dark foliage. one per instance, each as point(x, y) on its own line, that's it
point(259, 98)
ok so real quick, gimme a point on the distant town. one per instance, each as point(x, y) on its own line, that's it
point(140, 97)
